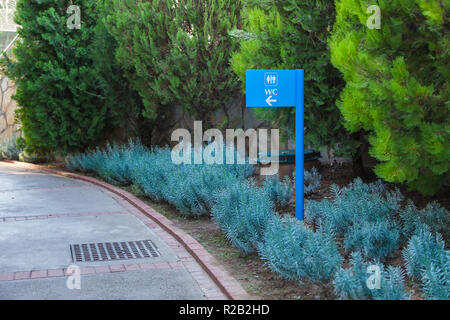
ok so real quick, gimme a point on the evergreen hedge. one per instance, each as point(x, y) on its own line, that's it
point(397, 86)
point(176, 52)
point(69, 88)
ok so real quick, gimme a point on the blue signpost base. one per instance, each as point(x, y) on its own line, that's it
point(282, 88)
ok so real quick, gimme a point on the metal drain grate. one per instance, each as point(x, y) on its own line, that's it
point(107, 251)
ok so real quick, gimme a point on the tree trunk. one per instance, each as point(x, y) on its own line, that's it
point(359, 168)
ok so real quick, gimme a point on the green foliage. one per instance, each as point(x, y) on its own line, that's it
point(296, 252)
point(351, 283)
point(60, 98)
point(397, 86)
point(292, 34)
point(124, 104)
point(177, 52)
point(242, 211)
point(428, 261)
point(71, 90)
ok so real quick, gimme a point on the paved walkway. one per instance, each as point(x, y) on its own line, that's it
point(41, 215)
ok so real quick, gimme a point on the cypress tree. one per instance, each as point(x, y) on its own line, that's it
point(61, 106)
point(176, 52)
point(397, 85)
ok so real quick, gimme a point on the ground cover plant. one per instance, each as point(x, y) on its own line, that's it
point(312, 180)
point(139, 68)
point(279, 190)
point(351, 283)
point(189, 187)
point(243, 212)
point(364, 224)
point(60, 99)
point(428, 262)
point(296, 252)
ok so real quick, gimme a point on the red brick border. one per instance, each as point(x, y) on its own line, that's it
point(229, 286)
point(62, 272)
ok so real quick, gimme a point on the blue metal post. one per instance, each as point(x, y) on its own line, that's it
point(299, 145)
point(282, 88)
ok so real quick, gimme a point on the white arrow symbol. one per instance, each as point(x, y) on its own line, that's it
point(269, 100)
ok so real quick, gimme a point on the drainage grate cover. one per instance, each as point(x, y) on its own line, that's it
point(107, 251)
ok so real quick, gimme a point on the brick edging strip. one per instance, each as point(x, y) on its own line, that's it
point(63, 272)
point(229, 286)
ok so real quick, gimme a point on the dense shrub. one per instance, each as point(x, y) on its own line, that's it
point(351, 283)
point(360, 188)
point(296, 252)
point(292, 34)
point(118, 162)
point(242, 211)
point(125, 107)
point(86, 162)
point(278, 191)
point(60, 98)
point(373, 224)
point(242, 171)
point(191, 187)
point(114, 163)
point(428, 262)
point(9, 149)
point(397, 86)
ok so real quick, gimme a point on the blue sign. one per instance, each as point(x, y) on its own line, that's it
point(270, 88)
point(282, 88)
